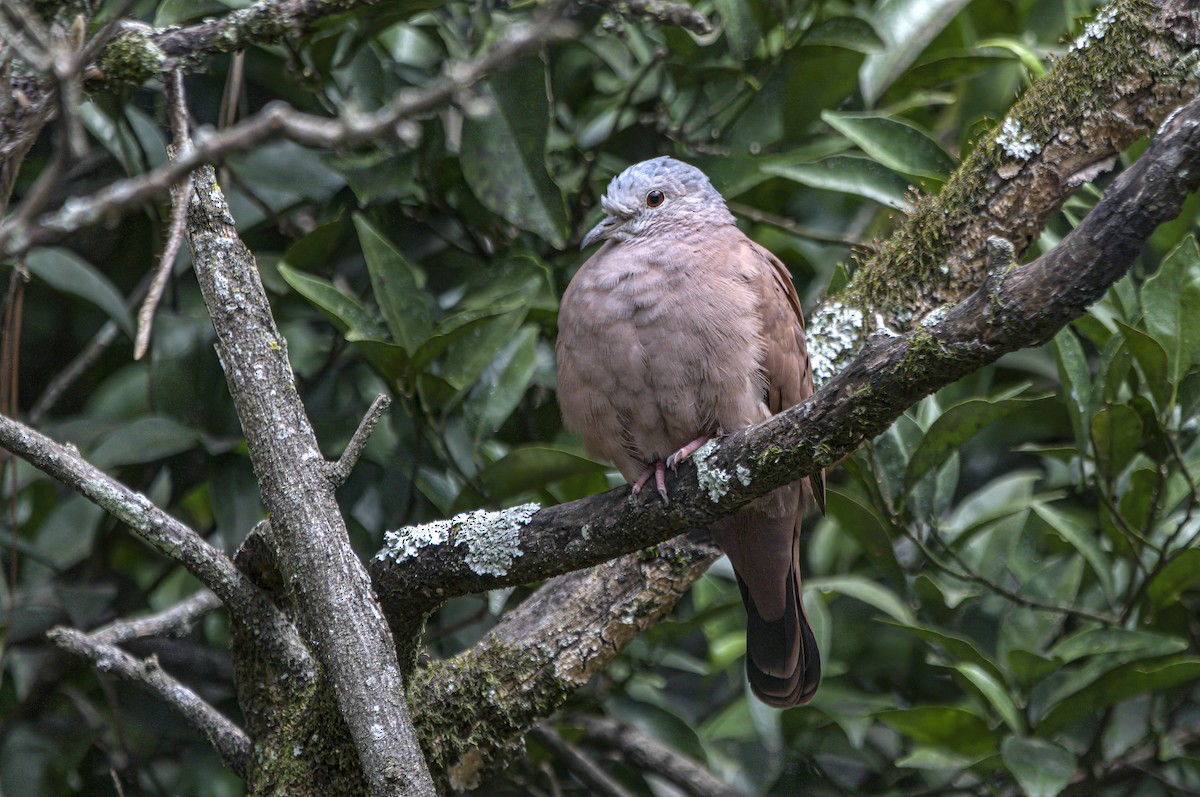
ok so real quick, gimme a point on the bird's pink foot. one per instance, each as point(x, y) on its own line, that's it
point(659, 471)
point(685, 452)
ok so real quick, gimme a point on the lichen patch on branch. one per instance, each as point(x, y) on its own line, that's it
point(492, 538)
point(713, 480)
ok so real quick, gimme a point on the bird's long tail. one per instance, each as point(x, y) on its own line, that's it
point(782, 661)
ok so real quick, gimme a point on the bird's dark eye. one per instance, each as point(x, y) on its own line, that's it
point(655, 198)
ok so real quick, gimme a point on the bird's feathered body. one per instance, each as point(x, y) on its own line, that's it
point(678, 328)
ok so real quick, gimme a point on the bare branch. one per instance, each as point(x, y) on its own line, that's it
point(644, 752)
point(1019, 307)
point(589, 774)
point(340, 470)
point(177, 110)
point(660, 11)
point(230, 742)
point(278, 120)
point(174, 621)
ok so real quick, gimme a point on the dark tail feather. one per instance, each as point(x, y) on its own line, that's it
point(782, 661)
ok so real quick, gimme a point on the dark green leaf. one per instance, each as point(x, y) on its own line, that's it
point(1180, 574)
point(144, 440)
point(1169, 301)
point(1120, 684)
point(893, 142)
point(956, 730)
point(742, 32)
point(504, 153)
point(849, 175)
point(1076, 382)
point(906, 27)
point(502, 383)
point(343, 311)
point(1152, 359)
point(1116, 434)
point(531, 468)
point(849, 32)
point(1042, 768)
point(1084, 539)
point(399, 287)
point(958, 424)
point(65, 271)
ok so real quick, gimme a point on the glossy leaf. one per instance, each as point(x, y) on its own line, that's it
point(502, 383)
point(1120, 684)
point(345, 312)
point(896, 143)
point(1169, 301)
point(849, 175)
point(1085, 540)
point(144, 440)
point(504, 153)
point(995, 692)
point(1116, 432)
point(1152, 359)
point(531, 468)
point(866, 591)
point(1180, 574)
point(906, 27)
point(1042, 768)
point(67, 272)
point(958, 424)
point(956, 730)
point(398, 287)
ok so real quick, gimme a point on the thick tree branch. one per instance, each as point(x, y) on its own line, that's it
point(469, 708)
point(231, 743)
point(1133, 65)
point(324, 579)
point(1023, 306)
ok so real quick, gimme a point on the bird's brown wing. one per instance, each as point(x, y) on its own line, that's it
point(763, 540)
point(786, 364)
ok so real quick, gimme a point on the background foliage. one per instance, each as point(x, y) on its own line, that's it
point(1004, 587)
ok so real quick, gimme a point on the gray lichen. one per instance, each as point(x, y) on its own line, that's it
point(834, 334)
point(1015, 142)
point(713, 480)
point(492, 538)
point(1095, 30)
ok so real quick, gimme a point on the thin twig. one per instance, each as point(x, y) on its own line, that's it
point(790, 226)
point(340, 471)
point(174, 621)
point(644, 752)
point(230, 741)
point(177, 110)
point(597, 781)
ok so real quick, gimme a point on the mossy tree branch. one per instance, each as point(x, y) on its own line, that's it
point(1135, 63)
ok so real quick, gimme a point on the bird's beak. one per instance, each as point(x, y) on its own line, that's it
point(601, 231)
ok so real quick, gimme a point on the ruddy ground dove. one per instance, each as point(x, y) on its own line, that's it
point(679, 329)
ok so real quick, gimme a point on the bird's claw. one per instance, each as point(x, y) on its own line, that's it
point(685, 452)
point(659, 471)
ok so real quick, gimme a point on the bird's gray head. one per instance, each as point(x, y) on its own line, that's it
point(654, 196)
